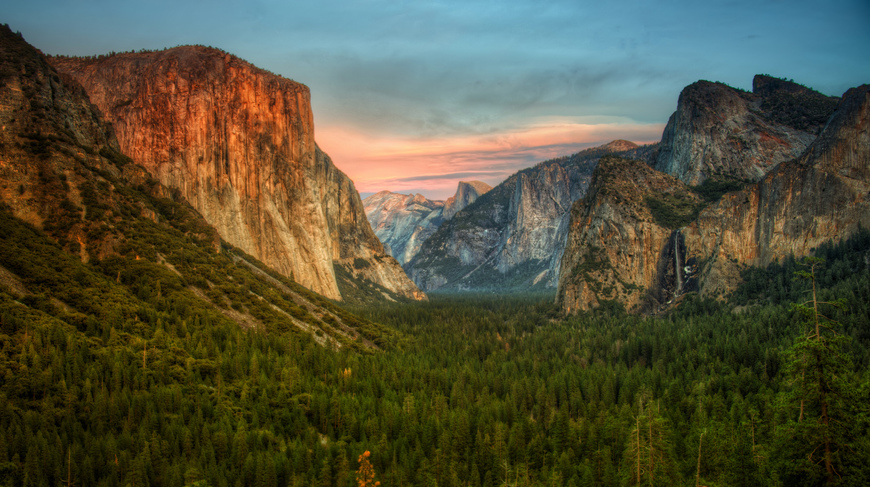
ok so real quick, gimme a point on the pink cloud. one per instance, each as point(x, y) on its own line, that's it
point(434, 166)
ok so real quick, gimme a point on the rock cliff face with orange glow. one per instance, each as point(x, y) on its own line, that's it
point(238, 143)
point(644, 243)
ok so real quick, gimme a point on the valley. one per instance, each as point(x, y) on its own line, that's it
point(193, 294)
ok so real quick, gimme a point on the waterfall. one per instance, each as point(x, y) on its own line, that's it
point(678, 266)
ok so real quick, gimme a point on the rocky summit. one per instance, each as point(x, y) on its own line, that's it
point(404, 222)
point(727, 134)
point(237, 142)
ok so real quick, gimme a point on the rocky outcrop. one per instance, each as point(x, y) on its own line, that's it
point(354, 245)
point(823, 195)
point(646, 256)
point(237, 142)
point(467, 193)
point(623, 244)
point(722, 133)
point(513, 236)
point(404, 222)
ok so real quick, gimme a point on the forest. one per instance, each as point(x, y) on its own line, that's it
point(768, 387)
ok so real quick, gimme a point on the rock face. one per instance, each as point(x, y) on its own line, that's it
point(238, 143)
point(823, 195)
point(404, 222)
point(722, 133)
point(513, 236)
point(61, 171)
point(622, 241)
point(647, 255)
point(467, 193)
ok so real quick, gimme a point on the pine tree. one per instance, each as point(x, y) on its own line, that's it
point(818, 368)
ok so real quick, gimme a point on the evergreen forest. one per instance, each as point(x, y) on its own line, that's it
point(769, 387)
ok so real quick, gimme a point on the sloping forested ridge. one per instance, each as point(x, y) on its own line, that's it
point(146, 387)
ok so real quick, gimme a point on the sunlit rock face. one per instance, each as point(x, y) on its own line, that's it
point(238, 143)
point(404, 222)
point(513, 236)
point(617, 251)
point(723, 133)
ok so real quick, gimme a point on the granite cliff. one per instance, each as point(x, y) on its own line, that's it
point(404, 222)
point(622, 238)
point(89, 240)
point(822, 195)
point(237, 142)
point(467, 193)
point(726, 134)
point(513, 236)
point(643, 239)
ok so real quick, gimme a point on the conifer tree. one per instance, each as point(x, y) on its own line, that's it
point(820, 404)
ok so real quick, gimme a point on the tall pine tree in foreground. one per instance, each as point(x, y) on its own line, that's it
point(819, 445)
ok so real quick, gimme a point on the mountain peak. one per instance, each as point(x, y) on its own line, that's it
point(619, 145)
point(466, 193)
point(721, 132)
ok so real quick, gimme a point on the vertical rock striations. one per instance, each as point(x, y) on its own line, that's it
point(238, 143)
point(513, 236)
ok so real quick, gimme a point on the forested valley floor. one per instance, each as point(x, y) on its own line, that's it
point(466, 391)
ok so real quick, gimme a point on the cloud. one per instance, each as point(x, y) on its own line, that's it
point(405, 89)
point(433, 166)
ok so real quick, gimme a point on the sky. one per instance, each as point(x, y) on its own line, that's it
point(415, 96)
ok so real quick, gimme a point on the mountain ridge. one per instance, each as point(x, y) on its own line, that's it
point(512, 237)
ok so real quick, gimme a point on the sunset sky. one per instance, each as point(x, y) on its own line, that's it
point(414, 96)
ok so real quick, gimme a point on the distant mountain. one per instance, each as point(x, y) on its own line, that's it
point(404, 222)
point(237, 142)
point(512, 237)
point(646, 245)
point(92, 246)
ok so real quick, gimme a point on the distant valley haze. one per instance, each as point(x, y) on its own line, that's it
point(413, 97)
